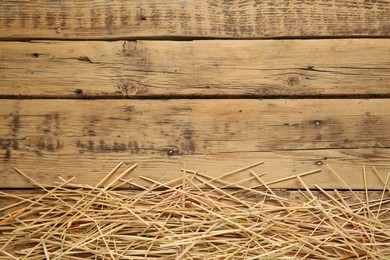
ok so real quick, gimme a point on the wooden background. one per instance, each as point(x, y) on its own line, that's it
point(212, 84)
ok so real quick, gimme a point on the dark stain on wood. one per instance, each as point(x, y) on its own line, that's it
point(51, 19)
point(170, 16)
point(369, 124)
point(125, 16)
point(140, 13)
point(79, 18)
point(133, 147)
point(50, 147)
point(7, 154)
point(370, 120)
point(119, 147)
point(15, 144)
point(22, 17)
point(109, 22)
point(106, 147)
point(246, 19)
point(155, 17)
point(7, 143)
point(89, 128)
point(189, 147)
point(91, 132)
point(60, 145)
point(15, 123)
point(41, 145)
point(187, 134)
point(63, 17)
point(51, 124)
point(8, 19)
point(94, 17)
point(36, 21)
point(48, 144)
point(80, 145)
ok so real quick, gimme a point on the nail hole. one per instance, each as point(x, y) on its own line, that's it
point(78, 91)
point(143, 18)
point(170, 152)
point(35, 55)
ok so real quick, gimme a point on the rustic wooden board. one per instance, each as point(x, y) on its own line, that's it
point(201, 68)
point(87, 138)
point(100, 19)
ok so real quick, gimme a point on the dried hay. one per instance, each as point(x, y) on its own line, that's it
point(193, 218)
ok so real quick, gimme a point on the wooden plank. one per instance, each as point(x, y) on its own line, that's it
point(197, 68)
point(90, 167)
point(100, 19)
point(87, 138)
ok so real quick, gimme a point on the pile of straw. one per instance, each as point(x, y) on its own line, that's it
point(193, 218)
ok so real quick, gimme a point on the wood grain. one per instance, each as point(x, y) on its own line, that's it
point(87, 138)
point(100, 19)
point(195, 68)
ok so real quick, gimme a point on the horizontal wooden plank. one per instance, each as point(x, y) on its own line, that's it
point(89, 168)
point(99, 19)
point(201, 68)
point(86, 138)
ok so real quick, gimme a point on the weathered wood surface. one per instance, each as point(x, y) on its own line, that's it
point(197, 68)
point(87, 138)
point(100, 19)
